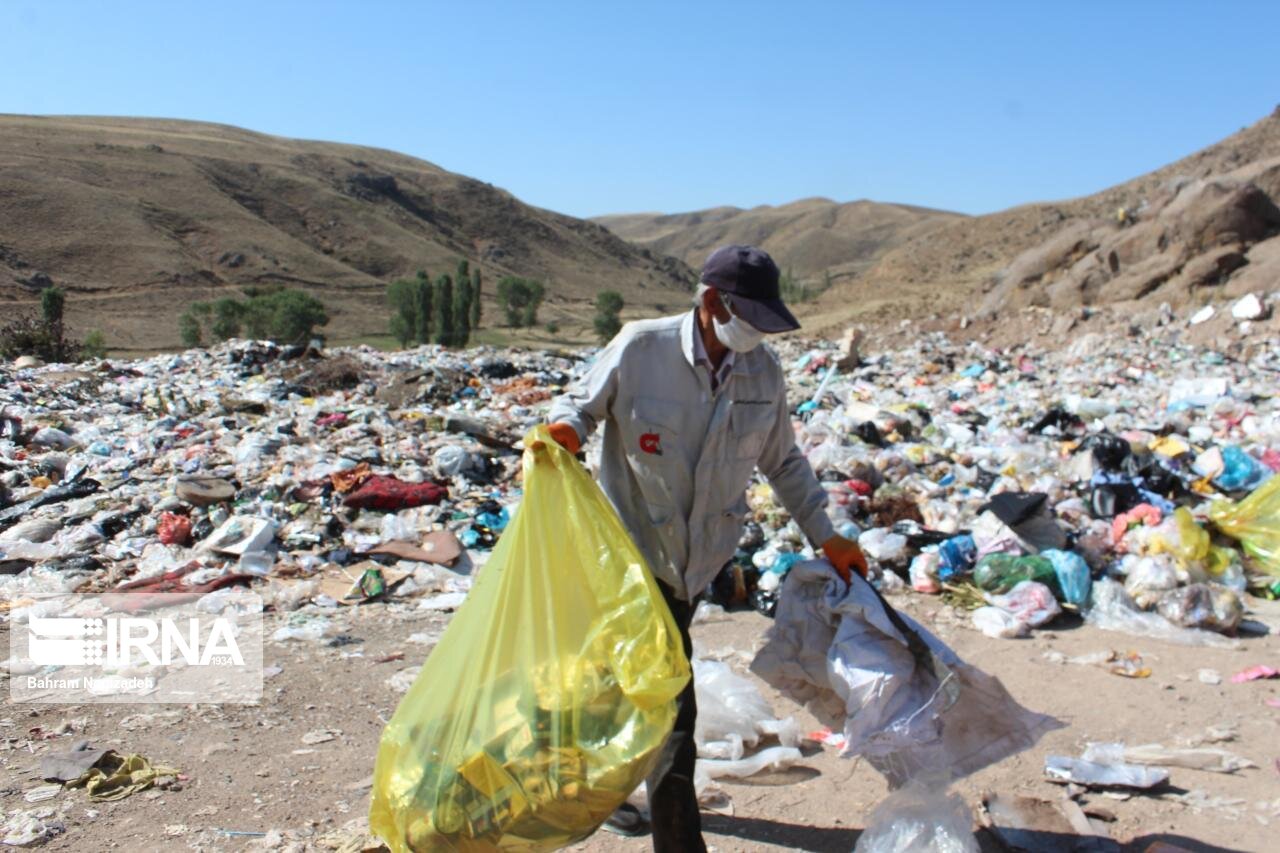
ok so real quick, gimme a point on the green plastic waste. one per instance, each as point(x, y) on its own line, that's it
point(1000, 573)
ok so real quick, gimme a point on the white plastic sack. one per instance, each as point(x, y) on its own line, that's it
point(918, 819)
point(732, 713)
point(833, 649)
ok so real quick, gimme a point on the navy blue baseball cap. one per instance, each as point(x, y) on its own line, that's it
point(752, 277)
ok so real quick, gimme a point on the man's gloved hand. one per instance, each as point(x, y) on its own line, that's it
point(567, 437)
point(845, 554)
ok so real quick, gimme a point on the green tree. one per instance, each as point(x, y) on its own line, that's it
point(609, 305)
point(462, 311)
point(95, 345)
point(189, 328)
point(444, 312)
point(424, 307)
point(52, 303)
point(403, 301)
point(520, 298)
point(228, 314)
point(475, 298)
point(284, 316)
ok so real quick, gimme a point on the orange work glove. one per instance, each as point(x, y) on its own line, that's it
point(845, 554)
point(566, 436)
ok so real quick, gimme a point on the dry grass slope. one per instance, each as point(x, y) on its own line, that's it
point(135, 218)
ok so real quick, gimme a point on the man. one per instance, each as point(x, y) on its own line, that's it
point(691, 406)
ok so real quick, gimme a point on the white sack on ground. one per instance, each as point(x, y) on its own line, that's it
point(835, 651)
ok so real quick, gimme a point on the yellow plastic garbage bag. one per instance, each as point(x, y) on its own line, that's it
point(1192, 548)
point(547, 699)
point(1255, 521)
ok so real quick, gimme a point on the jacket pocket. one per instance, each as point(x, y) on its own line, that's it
point(750, 426)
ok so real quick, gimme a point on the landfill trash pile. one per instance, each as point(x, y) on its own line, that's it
point(1129, 479)
point(315, 479)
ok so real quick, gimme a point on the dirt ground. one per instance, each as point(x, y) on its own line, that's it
point(250, 781)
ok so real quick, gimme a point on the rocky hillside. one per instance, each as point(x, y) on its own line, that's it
point(135, 218)
point(809, 237)
point(1199, 229)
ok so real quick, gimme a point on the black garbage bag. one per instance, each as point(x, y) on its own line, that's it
point(1109, 451)
point(870, 433)
point(1028, 515)
point(1059, 418)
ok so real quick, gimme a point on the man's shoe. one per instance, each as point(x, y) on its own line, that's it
point(626, 821)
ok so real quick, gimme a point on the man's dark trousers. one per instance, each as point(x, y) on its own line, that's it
point(673, 804)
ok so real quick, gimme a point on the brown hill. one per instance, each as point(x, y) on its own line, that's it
point(808, 237)
point(135, 218)
point(1190, 226)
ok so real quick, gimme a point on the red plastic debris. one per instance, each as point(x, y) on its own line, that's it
point(174, 529)
point(389, 493)
point(860, 487)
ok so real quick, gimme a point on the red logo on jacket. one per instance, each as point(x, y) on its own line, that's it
point(649, 443)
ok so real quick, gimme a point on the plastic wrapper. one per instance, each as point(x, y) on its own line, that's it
point(1030, 602)
point(924, 573)
point(999, 624)
point(1103, 774)
point(1111, 610)
point(1255, 521)
point(1211, 759)
point(549, 695)
point(1000, 573)
point(1210, 606)
point(919, 819)
point(1149, 579)
point(774, 758)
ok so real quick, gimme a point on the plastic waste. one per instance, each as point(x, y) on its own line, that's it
point(1074, 578)
point(1111, 609)
point(956, 556)
point(1002, 572)
point(924, 573)
point(1193, 758)
point(1240, 471)
point(1255, 521)
point(883, 545)
point(530, 732)
point(919, 819)
point(1148, 580)
point(732, 713)
point(834, 649)
point(1030, 602)
point(1210, 606)
point(999, 624)
point(1109, 774)
point(774, 758)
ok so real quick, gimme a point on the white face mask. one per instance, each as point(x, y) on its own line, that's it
point(737, 334)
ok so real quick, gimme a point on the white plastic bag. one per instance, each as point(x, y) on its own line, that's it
point(833, 649)
point(732, 714)
point(919, 819)
point(1111, 610)
point(1030, 602)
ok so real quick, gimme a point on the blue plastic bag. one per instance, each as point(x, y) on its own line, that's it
point(1240, 471)
point(956, 556)
point(1073, 575)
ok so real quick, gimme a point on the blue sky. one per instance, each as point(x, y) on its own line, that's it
point(606, 107)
